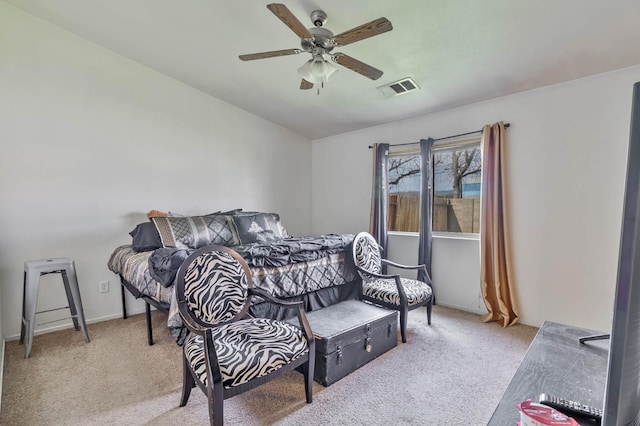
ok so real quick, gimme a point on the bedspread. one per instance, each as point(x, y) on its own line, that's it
point(133, 267)
point(292, 250)
point(285, 268)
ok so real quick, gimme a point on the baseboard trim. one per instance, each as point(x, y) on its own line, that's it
point(473, 310)
point(70, 324)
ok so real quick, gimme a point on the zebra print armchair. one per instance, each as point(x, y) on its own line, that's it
point(389, 291)
point(228, 352)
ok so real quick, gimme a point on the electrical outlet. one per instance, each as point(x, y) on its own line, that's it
point(104, 286)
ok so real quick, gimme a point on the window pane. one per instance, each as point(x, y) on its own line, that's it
point(457, 181)
point(457, 178)
point(404, 192)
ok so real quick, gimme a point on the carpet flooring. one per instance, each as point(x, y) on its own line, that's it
point(450, 373)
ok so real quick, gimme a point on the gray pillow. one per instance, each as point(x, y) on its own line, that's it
point(255, 227)
point(145, 237)
point(192, 232)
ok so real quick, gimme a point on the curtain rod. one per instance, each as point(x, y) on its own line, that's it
point(441, 139)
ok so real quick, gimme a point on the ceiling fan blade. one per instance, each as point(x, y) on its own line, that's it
point(305, 85)
point(370, 29)
point(271, 54)
point(285, 15)
point(357, 66)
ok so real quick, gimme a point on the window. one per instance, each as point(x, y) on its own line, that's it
point(456, 188)
point(404, 190)
point(457, 171)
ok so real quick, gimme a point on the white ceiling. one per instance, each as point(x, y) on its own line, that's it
point(458, 51)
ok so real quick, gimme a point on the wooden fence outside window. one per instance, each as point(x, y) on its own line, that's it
point(449, 214)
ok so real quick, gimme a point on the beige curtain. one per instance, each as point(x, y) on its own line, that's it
point(498, 290)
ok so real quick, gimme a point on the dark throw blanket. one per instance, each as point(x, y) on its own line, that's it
point(164, 264)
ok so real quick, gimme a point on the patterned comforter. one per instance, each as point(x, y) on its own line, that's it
point(284, 268)
point(133, 267)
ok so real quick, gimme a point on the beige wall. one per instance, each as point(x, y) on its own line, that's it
point(90, 141)
point(566, 155)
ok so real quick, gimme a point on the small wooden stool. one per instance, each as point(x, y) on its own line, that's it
point(33, 269)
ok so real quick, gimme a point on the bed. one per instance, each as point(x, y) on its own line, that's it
point(314, 269)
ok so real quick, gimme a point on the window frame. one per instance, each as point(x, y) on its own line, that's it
point(462, 142)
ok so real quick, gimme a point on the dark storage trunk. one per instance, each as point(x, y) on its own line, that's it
point(348, 335)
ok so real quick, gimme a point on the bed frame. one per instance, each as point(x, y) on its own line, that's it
point(148, 302)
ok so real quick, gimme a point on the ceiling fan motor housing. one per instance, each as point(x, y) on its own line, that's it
point(322, 38)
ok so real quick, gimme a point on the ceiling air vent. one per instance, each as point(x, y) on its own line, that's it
point(399, 87)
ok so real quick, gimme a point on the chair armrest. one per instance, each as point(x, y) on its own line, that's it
point(398, 265)
point(421, 267)
point(396, 279)
point(187, 321)
point(374, 275)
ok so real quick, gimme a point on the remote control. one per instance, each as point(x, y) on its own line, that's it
point(571, 407)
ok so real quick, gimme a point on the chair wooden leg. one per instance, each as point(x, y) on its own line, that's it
point(403, 324)
point(215, 399)
point(308, 378)
point(187, 382)
point(212, 411)
point(429, 305)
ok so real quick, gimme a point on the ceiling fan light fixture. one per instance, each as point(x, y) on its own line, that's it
point(317, 70)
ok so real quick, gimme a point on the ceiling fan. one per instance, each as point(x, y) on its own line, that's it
point(319, 41)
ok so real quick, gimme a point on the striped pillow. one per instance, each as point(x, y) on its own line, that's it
point(192, 232)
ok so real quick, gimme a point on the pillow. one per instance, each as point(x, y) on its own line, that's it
point(258, 227)
point(192, 232)
point(159, 213)
point(174, 214)
point(145, 237)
